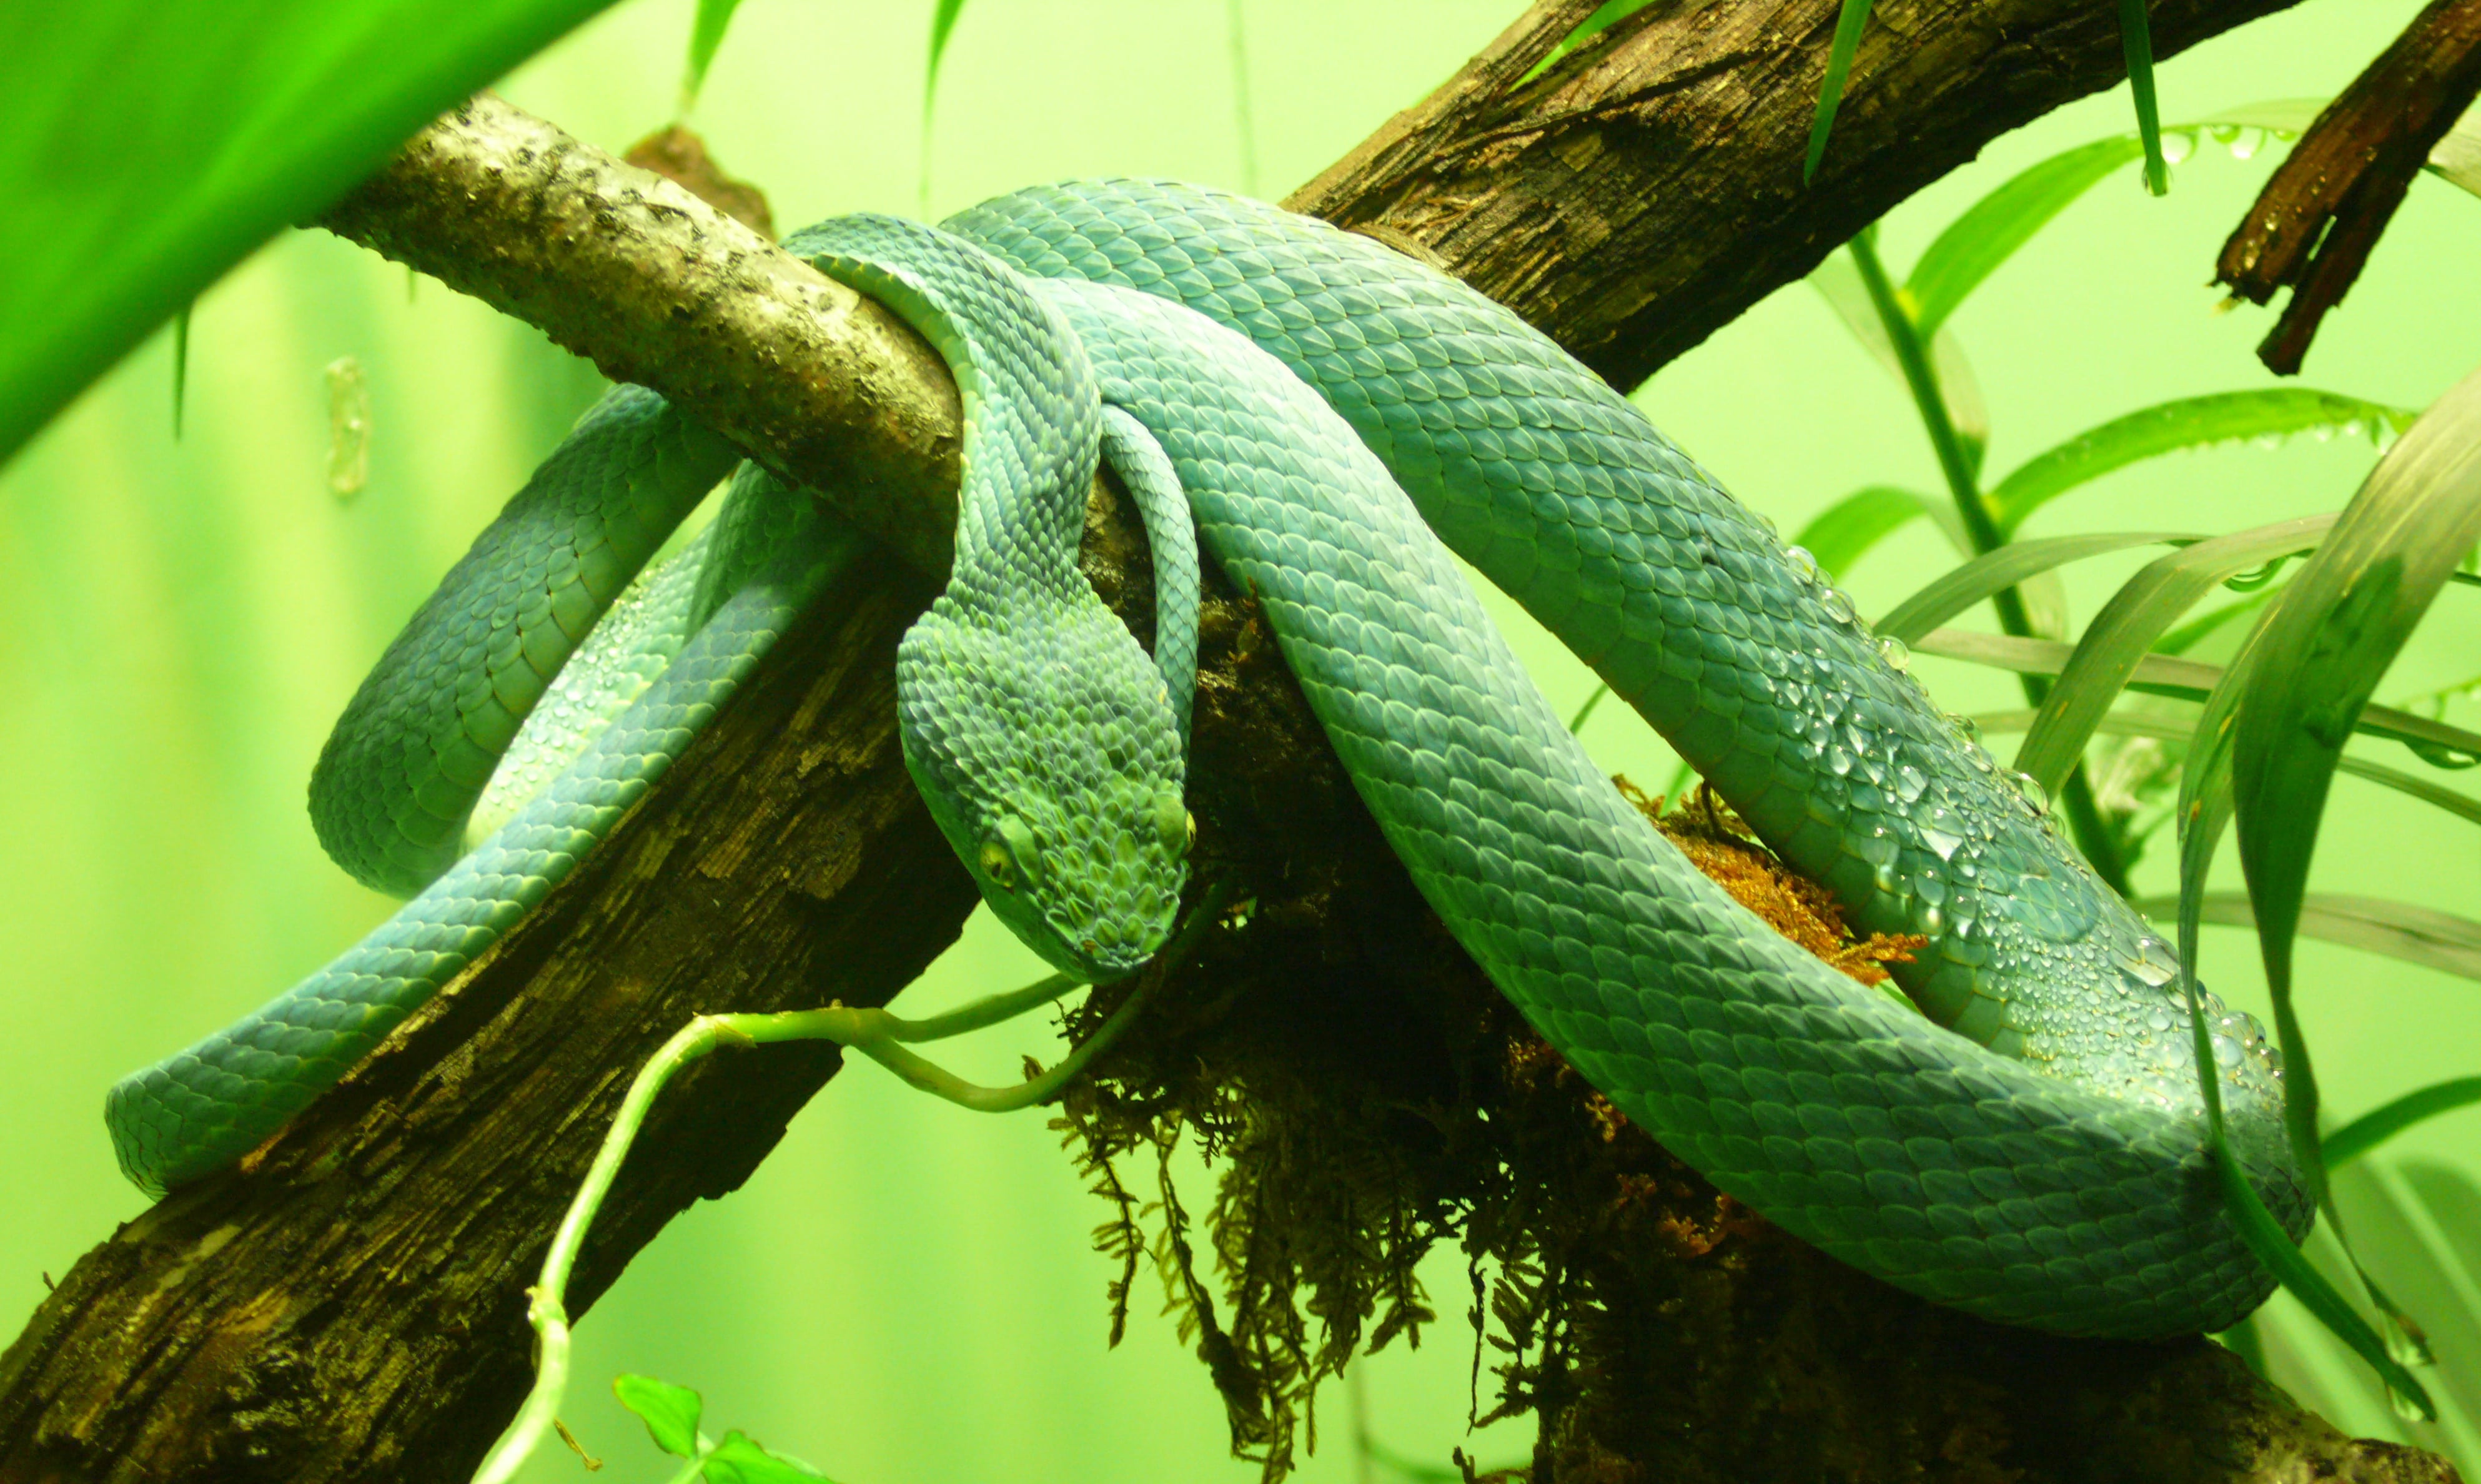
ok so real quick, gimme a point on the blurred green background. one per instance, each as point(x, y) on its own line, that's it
point(904, 1293)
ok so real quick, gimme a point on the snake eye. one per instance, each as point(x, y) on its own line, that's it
point(1011, 843)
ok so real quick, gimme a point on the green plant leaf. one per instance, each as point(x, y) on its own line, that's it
point(2380, 1123)
point(706, 35)
point(1830, 91)
point(1839, 283)
point(1605, 16)
point(943, 24)
point(737, 1459)
point(2136, 41)
point(2338, 626)
point(2190, 422)
point(1959, 589)
point(2397, 929)
point(1838, 535)
point(2188, 680)
point(670, 1412)
point(2123, 724)
point(2203, 811)
point(2124, 633)
point(1989, 233)
point(157, 145)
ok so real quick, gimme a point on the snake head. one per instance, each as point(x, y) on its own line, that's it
point(1055, 770)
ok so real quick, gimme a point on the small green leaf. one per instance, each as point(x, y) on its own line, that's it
point(2338, 626)
point(2190, 422)
point(2124, 633)
point(1830, 93)
point(1995, 571)
point(670, 1412)
point(2375, 1127)
point(2136, 40)
point(737, 1459)
point(1577, 723)
point(1838, 535)
point(943, 22)
point(706, 35)
point(2396, 929)
point(2456, 159)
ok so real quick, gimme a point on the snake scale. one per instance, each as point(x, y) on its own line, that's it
point(2028, 1147)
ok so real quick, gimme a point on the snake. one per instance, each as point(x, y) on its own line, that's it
point(2022, 1138)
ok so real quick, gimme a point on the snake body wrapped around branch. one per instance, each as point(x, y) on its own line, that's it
point(2032, 1151)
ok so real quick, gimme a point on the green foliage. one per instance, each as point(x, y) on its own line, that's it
point(706, 35)
point(670, 1412)
point(224, 128)
point(2136, 40)
point(2375, 1127)
point(2189, 422)
point(671, 1416)
point(1830, 91)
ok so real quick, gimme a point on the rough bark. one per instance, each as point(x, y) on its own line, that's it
point(2325, 206)
point(349, 1303)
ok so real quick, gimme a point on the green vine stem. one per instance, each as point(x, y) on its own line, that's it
point(875, 1034)
point(2076, 797)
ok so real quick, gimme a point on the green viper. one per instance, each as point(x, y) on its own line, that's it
point(1330, 411)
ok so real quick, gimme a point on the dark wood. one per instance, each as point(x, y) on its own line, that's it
point(2328, 202)
point(348, 1304)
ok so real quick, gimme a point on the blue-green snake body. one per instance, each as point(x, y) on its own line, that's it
point(2032, 1152)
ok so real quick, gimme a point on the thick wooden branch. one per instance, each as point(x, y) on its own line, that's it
point(348, 1304)
point(2327, 203)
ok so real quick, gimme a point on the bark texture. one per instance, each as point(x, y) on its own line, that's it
point(349, 1303)
point(2313, 225)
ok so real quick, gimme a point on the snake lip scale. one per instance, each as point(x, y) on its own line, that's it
point(1320, 414)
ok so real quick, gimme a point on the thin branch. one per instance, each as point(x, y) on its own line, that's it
point(2325, 206)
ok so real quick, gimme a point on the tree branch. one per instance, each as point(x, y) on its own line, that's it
point(1639, 194)
point(2326, 204)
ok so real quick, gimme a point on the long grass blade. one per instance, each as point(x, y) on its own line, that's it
point(2190, 422)
point(2431, 741)
point(1841, 533)
point(1993, 572)
point(181, 365)
point(2396, 929)
point(2124, 633)
point(1988, 234)
point(2136, 40)
point(943, 24)
point(1838, 280)
point(2203, 812)
point(1605, 16)
point(2382, 1123)
point(1830, 93)
point(2338, 627)
point(2124, 723)
point(706, 36)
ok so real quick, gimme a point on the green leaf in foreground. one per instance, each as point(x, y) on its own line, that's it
point(737, 1459)
point(1830, 93)
point(222, 127)
point(2337, 628)
point(1838, 535)
point(706, 35)
point(2375, 1127)
point(2136, 41)
point(2124, 633)
point(670, 1412)
point(2396, 929)
point(2190, 422)
point(2190, 680)
point(1959, 589)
